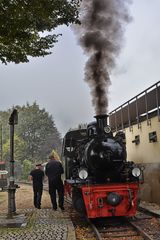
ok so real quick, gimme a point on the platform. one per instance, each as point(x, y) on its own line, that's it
point(37, 224)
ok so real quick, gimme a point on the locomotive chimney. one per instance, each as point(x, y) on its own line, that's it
point(101, 122)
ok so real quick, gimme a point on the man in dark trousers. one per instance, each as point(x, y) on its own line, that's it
point(37, 176)
point(53, 170)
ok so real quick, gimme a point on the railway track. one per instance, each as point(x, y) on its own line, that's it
point(149, 212)
point(145, 225)
point(121, 228)
point(115, 229)
point(138, 228)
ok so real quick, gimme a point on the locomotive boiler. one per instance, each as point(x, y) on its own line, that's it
point(99, 179)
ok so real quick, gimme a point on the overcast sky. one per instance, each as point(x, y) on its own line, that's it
point(56, 81)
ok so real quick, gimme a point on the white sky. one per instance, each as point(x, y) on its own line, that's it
point(56, 81)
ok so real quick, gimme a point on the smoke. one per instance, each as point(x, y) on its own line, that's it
point(101, 36)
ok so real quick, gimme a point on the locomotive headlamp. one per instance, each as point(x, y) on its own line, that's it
point(136, 172)
point(83, 174)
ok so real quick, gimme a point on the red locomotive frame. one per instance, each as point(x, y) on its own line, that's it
point(95, 196)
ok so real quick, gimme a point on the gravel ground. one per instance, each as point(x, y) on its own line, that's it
point(48, 224)
point(42, 224)
point(24, 199)
point(151, 206)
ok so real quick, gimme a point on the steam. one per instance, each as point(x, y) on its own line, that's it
point(101, 36)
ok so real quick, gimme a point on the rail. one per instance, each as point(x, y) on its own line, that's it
point(141, 231)
point(95, 230)
point(128, 227)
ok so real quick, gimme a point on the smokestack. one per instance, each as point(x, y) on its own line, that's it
point(101, 36)
point(101, 122)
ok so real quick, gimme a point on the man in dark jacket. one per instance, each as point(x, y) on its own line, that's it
point(53, 170)
point(37, 176)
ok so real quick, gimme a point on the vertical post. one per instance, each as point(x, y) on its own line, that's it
point(157, 102)
point(12, 187)
point(122, 124)
point(115, 118)
point(129, 119)
point(137, 112)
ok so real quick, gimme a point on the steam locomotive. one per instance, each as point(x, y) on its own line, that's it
point(98, 177)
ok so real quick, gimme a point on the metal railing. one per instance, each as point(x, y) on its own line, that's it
point(139, 108)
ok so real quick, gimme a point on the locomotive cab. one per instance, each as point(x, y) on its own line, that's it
point(71, 141)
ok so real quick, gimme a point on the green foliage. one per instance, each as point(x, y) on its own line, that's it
point(25, 24)
point(38, 131)
point(35, 135)
point(27, 166)
point(4, 119)
point(19, 149)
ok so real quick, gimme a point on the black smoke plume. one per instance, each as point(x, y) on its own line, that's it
point(101, 36)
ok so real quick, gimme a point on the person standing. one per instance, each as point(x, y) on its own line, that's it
point(53, 170)
point(37, 176)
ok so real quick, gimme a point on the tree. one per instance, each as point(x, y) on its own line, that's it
point(37, 128)
point(19, 149)
point(27, 166)
point(35, 135)
point(24, 26)
point(4, 120)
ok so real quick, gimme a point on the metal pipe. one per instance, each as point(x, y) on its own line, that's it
point(101, 122)
point(12, 187)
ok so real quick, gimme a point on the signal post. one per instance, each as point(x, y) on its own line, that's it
point(13, 120)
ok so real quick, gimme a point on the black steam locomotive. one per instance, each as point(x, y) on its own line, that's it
point(99, 178)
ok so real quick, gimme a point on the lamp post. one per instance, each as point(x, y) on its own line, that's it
point(13, 120)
